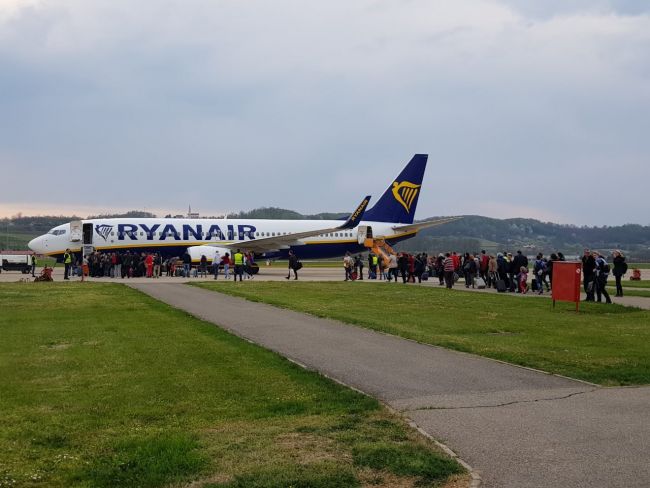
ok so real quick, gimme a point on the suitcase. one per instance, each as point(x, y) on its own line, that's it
point(354, 275)
point(533, 284)
point(501, 286)
point(372, 275)
point(480, 283)
point(425, 276)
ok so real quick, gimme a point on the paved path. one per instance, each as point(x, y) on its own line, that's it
point(517, 427)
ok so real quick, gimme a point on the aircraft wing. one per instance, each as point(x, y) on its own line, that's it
point(423, 225)
point(275, 243)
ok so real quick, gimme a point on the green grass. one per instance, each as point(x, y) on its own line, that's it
point(605, 344)
point(634, 284)
point(103, 386)
point(632, 288)
point(639, 265)
point(15, 240)
point(631, 292)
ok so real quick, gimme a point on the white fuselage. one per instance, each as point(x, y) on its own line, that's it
point(171, 236)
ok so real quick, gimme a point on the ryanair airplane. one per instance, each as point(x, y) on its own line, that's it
point(389, 221)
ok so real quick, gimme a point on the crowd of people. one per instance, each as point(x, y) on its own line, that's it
point(129, 264)
point(504, 271)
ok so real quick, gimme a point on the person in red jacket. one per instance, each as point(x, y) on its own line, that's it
point(148, 261)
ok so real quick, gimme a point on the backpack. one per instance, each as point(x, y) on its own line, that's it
point(604, 267)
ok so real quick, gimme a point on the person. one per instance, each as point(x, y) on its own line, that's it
point(33, 265)
point(419, 267)
point(239, 265)
point(117, 270)
point(469, 269)
point(502, 269)
point(293, 265)
point(382, 267)
point(392, 268)
point(403, 265)
point(549, 268)
point(484, 265)
point(216, 261)
point(157, 263)
point(67, 263)
point(148, 261)
point(187, 264)
point(522, 279)
point(589, 274)
point(359, 264)
point(440, 269)
point(517, 262)
point(348, 265)
point(226, 266)
point(449, 270)
point(620, 268)
point(601, 274)
point(203, 266)
point(539, 272)
point(84, 268)
point(373, 261)
point(491, 281)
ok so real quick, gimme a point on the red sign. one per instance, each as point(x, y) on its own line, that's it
point(566, 281)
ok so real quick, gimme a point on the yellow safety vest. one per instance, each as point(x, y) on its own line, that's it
point(239, 258)
point(375, 260)
point(67, 258)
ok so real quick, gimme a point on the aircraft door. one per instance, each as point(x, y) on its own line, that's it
point(75, 230)
point(88, 234)
point(364, 232)
point(361, 234)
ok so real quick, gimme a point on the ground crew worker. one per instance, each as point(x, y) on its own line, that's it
point(33, 265)
point(372, 269)
point(239, 265)
point(67, 261)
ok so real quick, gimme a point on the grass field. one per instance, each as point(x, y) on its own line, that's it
point(632, 288)
point(103, 386)
point(15, 241)
point(609, 345)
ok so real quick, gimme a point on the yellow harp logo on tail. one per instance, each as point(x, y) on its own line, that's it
point(405, 193)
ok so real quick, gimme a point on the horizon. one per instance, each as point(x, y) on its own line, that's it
point(161, 215)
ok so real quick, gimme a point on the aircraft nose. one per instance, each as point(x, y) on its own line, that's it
point(36, 245)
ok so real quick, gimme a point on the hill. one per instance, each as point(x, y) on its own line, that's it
point(471, 233)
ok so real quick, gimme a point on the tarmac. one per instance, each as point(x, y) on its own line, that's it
point(515, 427)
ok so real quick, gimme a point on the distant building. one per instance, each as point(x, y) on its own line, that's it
point(190, 214)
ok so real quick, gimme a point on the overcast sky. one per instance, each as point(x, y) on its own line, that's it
point(527, 108)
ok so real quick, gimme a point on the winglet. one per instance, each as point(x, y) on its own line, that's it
point(357, 215)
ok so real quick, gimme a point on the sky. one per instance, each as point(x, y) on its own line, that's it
point(526, 108)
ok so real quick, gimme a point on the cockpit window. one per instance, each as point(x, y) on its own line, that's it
point(57, 232)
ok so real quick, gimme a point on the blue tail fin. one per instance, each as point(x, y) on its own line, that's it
point(399, 201)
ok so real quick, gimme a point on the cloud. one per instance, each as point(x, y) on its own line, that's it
point(310, 106)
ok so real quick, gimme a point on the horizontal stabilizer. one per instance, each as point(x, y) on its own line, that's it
point(424, 225)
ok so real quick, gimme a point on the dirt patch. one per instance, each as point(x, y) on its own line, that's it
point(57, 347)
point(309, 448)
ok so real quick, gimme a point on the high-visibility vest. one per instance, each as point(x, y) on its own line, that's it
point(239, 258)
point(375, 260)
point(67, 258)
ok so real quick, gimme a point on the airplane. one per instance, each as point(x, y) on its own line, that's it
point(389, 221)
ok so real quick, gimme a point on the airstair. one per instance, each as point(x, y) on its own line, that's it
point(381, 248)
